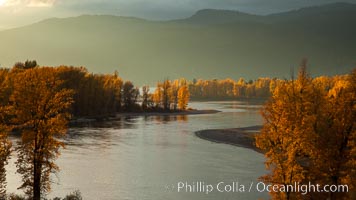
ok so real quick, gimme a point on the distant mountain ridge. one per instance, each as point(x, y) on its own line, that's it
point(213, 16)
point(209, 44)
point(216, 16)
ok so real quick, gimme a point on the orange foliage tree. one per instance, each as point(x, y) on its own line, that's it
point(230, 89)
point(309, 135)
point(40, 110)
point(170, 95)
point(183, 95)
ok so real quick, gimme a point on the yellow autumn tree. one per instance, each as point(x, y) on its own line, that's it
point(166, 94)
point(162, 96)
point(40, 109)
point(183, 95)
point(309, 136)
point(334, 162)
point(175, 86)
point(286, 131)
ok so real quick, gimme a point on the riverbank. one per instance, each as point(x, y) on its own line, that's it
point(257, 101)
point(184, 112)
point(83, 120)
point(241, 137)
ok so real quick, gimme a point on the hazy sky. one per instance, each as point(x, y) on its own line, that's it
point(20, 12)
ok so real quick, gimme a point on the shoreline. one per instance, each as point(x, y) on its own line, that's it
point(261, 100)
point(184, 112)
point(241, 137)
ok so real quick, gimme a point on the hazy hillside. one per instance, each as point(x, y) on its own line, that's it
point(211, 16)
point(210, 44)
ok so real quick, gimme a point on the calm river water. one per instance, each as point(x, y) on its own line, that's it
point(148, 158)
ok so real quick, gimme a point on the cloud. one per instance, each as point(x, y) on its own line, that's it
point(28, 3)
point(41, 3)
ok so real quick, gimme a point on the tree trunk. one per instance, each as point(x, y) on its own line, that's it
point(36, 180)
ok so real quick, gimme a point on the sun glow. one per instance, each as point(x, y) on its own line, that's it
point(2, 2)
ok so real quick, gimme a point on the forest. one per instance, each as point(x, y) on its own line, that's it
point(308, 133)
point(230, 89)
point(38, 102)
point(103, 94)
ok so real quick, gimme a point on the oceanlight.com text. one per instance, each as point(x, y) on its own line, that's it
point(300, 188)
point(222, 187)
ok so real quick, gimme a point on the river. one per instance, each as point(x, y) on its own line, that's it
point(158, 157)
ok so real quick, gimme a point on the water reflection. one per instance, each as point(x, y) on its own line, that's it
point(90, 133)
point(134, 157)
point(233, 106)
point(126, 122)
point(167, 118)
point(182, 118)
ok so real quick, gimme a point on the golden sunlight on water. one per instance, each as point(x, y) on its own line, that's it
point(146, 157)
